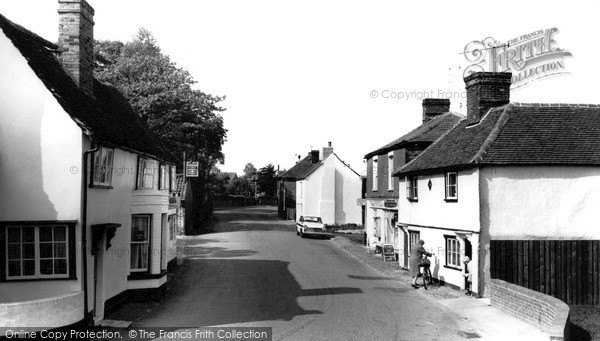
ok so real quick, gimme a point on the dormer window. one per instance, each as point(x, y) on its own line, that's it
point(103, 165)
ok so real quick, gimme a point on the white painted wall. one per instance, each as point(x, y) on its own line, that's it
point(309, 203)
point(433, 217)
point(436, 244)
point(370, 214)
point(113, 206)
point(541, 202)
point(348, 187)
point(432, 210)
point(40, 159)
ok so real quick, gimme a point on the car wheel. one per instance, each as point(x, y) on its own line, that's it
point(301, 234)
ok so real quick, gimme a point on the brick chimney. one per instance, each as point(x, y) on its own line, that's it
point(76, 41)
point(486, 90)
point(327, 150)
point(433, 107)
point(314, 156)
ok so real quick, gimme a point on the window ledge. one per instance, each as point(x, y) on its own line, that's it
point(452, 267)
point(39, 279)
point(451, 200)
point(101, 186)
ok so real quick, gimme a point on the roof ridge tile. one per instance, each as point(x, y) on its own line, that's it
point(556, 105)
point(487, 144)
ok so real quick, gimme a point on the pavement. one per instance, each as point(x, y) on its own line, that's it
point(485, 322)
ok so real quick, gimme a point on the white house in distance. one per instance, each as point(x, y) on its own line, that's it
point(328, 188)
point(514, 186)
point(85, 213)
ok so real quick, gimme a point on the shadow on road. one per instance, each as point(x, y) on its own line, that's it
point(229, 291)
point(371, 278)
point(201, 252)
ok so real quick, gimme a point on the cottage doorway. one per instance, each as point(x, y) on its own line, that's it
point(98, 281)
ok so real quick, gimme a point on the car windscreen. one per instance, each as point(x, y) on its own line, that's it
point(312, 219)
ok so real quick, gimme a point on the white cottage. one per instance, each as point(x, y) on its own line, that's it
point(85, 213)
point(328, 188)
point(382, 188)
point(514, 186)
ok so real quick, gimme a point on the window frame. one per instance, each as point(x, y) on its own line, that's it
point(143, 173)
point(390, 169)
point(172, 222)
point(452, 252)
point(98, 164)
point(413, 238)
point(375, 173)
point(173, 178)
point(412, 188)
point(148, 242)
point(447, 186)
point(163, 179)
point(70, 251)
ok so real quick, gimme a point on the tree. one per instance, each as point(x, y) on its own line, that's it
point(249, 171)
point(184, 119)
point(267, 183)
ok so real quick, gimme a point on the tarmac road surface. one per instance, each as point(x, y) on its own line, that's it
point(253, 270)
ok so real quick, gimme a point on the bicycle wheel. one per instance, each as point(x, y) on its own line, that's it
point(426, 277)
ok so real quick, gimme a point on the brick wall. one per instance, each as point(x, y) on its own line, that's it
point(433, 107)
point(49, 312)
point(547, 313)
point(76, 40)
point(484, 91)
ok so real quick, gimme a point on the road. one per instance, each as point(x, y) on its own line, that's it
point(254, 271)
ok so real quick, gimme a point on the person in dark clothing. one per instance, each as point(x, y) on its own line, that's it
point(416, 253)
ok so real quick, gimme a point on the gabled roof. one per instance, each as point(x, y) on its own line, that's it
point(108, 118)
point(180, 186)
point(301, 169)
point(231, 175)
point(518, 134)
point(427, 132)
point(306, 167)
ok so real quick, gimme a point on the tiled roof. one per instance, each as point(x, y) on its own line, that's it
point(427, 132)
point(518, 134)
point(302, 169)
point(108, 118)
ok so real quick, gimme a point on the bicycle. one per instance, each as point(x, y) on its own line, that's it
point(425, 265)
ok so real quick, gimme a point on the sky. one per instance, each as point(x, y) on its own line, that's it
point(299, 74)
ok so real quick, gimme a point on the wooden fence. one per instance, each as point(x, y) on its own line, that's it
point(566, 269)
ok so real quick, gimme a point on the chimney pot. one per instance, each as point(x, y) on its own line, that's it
point(486, 90)
point(327, 150)
point(433, 107)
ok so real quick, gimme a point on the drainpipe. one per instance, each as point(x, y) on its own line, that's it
point(84, 224)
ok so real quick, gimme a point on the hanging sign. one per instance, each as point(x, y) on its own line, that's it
point(191, 169)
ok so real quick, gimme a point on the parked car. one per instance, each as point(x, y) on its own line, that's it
point(310, 225)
